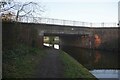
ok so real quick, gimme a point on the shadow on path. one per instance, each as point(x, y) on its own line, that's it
point(51, 66)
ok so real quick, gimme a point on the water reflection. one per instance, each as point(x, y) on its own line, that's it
point(97, 40)
point(97, 57)
point(106, 73)
point(102, 64)
point(92, 59)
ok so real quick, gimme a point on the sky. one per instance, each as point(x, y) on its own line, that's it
point(81, 10)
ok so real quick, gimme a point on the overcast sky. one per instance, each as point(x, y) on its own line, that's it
point(81, 10)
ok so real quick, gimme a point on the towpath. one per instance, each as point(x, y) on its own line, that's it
point(51, 66)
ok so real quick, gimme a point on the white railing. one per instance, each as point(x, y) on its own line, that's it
point(28, 19)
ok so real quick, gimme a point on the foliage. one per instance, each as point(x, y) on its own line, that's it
point(8, 16)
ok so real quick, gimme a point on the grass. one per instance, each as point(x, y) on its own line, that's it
point(74, 69)
point(21, 61)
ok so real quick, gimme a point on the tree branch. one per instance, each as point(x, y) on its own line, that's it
point(3, 10)
point(25, 14)
point(21, 9)
point(40, 9)
point(25, 5)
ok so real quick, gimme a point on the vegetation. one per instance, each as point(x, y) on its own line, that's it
point(7, 16)
point(74, 69)
point(19, 9)
point(20, 62)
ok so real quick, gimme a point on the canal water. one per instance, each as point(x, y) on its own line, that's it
point(102, 64)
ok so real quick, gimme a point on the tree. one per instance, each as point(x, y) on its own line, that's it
point(7, 17)
point(32, 9)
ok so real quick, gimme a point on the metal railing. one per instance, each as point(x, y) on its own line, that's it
point(28, 19)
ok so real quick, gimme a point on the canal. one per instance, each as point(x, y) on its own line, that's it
point(102, 64)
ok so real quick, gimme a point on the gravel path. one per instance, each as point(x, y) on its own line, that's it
point(51, 66)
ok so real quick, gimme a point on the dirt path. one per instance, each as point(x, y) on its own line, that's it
point(50, 66)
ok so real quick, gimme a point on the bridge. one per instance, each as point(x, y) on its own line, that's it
point(70, 33)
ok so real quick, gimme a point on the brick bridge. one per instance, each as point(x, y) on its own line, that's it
point(105, 38)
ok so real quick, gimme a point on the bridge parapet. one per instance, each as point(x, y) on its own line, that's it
point(28, 19)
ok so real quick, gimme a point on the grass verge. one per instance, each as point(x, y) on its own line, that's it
point(74, 69)
point(20, 62)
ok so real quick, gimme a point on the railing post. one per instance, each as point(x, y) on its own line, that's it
point(115, 25)
point(63, 22)
point(47, 21)
point(83, 23)
point(73, 23)
point(40, 20)
point(90, 24)
point(102, 24)
point(53, 21)
point(26, 18)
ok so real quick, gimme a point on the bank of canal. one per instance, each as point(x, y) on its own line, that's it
point(74, 69)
